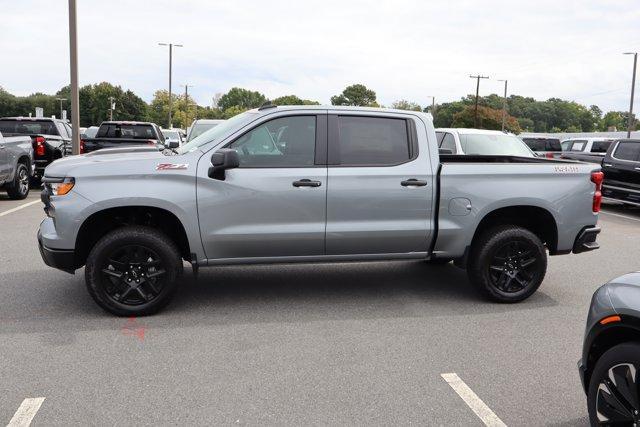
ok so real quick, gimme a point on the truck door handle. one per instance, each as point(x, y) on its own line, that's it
point(306, 183)
point(413, 183)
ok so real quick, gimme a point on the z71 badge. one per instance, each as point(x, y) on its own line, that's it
point(171, 166)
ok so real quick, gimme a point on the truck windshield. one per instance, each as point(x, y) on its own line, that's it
point(494, 144)
point(216, 132)
point(28, 127)
point(132, 131)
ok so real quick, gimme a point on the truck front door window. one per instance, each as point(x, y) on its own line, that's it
point(283, 142)
point(449, 143)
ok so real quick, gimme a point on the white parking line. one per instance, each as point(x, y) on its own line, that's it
point(26, 412)
point(486, 415)
point(19, 207)
point(621, 216)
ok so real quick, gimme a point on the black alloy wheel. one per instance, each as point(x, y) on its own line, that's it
point(618, 396)
point(133, 275)
point(513, 266)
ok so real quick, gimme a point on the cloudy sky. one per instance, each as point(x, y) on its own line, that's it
point(403, 49)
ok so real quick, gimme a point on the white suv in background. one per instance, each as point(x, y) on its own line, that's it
point(481, 142)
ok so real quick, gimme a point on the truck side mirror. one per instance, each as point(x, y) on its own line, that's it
point(444, 151)
point(221, 160)
point(172, 144)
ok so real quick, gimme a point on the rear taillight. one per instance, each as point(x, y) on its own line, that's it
point(549, 155)
point(38, 143)
point(81, 146)
point(597, 178)
point(151, 142)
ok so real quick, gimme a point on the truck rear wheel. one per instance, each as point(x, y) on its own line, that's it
point(132, 271)
point(18, 189)
point(507, 263)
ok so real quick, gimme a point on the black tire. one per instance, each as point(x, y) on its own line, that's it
point(601, 398)
point(133, 271)
point(507, 263)
point(18, 189)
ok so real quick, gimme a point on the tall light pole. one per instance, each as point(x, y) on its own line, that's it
point(504, 104)
point(61, 101)
point(475, 113)
point(186, 102)
point(633, 88)
point(75, 97)
point(171, 46)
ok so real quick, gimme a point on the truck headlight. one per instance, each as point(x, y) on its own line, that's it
point(62, 187)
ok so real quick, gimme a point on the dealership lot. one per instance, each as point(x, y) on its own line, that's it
point(356, 343)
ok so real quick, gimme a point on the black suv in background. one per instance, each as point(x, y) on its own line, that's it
point(51, 139)
point(621, 167)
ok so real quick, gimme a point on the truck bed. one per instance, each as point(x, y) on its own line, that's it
point(455, 158)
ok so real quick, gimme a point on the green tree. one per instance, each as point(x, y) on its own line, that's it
point(243, 98)
point(293, 100)
point(488, 118)
point(356, 94)
point(406, 105)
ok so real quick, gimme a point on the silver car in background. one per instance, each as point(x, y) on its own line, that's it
point(200, 126)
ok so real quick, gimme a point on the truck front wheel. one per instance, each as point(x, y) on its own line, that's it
point(507, 263)
point(132, 271)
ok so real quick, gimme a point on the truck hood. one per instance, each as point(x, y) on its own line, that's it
point(109, 157)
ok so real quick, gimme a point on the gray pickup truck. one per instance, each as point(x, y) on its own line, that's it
point(311, 184)
point(16, 165)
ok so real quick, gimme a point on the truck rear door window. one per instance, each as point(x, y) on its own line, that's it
point(628, 150)
point(373, 141)
point(600, 146)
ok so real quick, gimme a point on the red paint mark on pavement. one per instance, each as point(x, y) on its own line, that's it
point(131, 328)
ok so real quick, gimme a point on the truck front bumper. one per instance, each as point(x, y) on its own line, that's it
point(586, 240)
point(61, 259)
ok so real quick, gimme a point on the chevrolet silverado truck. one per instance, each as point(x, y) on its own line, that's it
point(51, 139)
point(16, 165)
point(311, 184)
point(124, 134)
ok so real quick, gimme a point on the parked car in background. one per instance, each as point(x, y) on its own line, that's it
point(586, 149)
point(119, 134)
point(200, 126)
point(172, 135)
point(482, 142)
point(255, 190)
point(50, 138)
point(16, 165)
point(544, 146)
point(610, 363)
point(621, 167)
point(89, 132)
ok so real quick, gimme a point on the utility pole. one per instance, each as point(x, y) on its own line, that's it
point(433, 105)
point(61, 101)
point(171, 46)
point(633, 88)
point(504, 104)
point(112, 106)
point(75, 97)
point(475, 114)
point(186, 102)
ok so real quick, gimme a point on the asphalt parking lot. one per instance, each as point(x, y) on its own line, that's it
point(360, 343)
